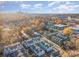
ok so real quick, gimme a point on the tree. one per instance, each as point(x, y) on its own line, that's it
point(67, 31)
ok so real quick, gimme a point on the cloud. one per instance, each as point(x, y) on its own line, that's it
point(62, 6)
point(59, 3)
point(54, 3)
point(67, 7)
point(67, 2)
point(51, 3)
point(2, 2)
point(25, 6)
point(38, 5)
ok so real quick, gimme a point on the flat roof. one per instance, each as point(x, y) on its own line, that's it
point(60, 25)
point(75, 27)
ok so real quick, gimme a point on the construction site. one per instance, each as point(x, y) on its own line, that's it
point(39, 36)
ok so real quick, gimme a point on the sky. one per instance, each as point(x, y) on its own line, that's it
point(40, 6)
